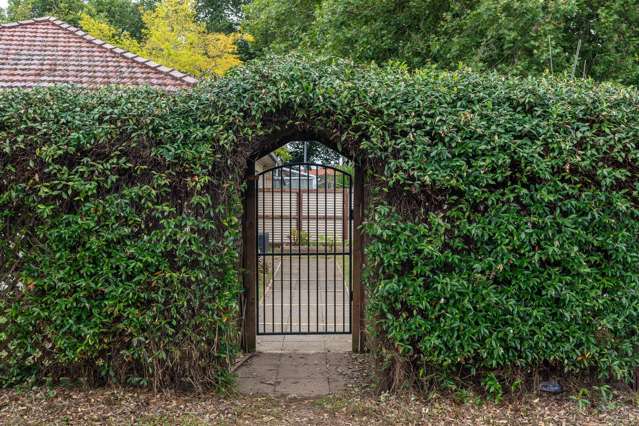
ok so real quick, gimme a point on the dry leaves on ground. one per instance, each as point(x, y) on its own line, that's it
point(127, 406)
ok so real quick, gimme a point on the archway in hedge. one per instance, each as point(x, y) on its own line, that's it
point(248, 303)
point(504, 209)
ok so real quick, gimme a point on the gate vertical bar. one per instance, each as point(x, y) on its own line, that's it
point(334, 243)
point(290, 250)
point(308, 256)
point(281, 209)
point(342, 269)
point(257, 249)
point(325, 251)
point(273, 251)
point(299, 247)
point(317, 257)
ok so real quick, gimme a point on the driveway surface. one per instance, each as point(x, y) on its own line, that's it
point(305, 294)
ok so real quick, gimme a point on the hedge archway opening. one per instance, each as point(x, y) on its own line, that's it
point(501, 222)
point(248, 300)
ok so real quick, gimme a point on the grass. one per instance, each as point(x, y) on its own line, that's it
point(344, 263)
point(265, 275)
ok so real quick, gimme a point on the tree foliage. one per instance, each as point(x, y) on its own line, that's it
point(67, 10)
point(220, 16)
point(315, 153)
point(278, 26)
point(501, 227)
point(172, 37)
point(123, 15)
point(529, 37)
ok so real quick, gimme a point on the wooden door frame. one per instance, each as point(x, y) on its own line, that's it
point(249, 261)
point(357, 260)
point(248, 302)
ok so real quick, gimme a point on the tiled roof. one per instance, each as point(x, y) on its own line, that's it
point(46, 51)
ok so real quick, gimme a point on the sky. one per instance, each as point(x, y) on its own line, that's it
point(3, 3)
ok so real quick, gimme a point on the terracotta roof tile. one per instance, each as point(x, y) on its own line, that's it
point(46, 51)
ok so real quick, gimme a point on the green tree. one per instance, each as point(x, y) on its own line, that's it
point(617, 27)
point(497, 34)
point(67, 10)
point(173, 37)
point(315, 153)
point(124, 15)
point(278, 26)
point(379, 30)
point(592, 38)
point(220, 15)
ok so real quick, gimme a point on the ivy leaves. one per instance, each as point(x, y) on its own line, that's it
point(502, 221)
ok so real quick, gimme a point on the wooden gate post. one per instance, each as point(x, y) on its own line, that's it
point(346, 215)
point(358, 260)
point(249, 260)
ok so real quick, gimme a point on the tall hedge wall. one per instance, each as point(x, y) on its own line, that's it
point(502, 220)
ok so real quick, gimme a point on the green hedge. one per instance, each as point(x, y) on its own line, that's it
point(119, 232)
point(502, 220)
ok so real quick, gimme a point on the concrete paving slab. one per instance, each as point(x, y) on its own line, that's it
point(304, 294)
point(264, 359)
point(338, 384)
point(268, 338)
point(303, 387)
point(271, 346)
point(249, 387)
point(307, 359)
point(302, 357)
point(293, 368)
point(298, 372)
point(304, 347)
point(303, 338)
point(304, 343)
point(257, 372)
point(337, 359)
point(338, 343)
point(265, 365)
point(303, 375)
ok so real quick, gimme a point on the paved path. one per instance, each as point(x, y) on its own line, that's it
point(305, 366)
point(295, 374)
point(305, 344)
point(303, 295)
point(306, 294)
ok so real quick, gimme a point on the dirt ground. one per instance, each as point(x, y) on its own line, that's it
point(121, 406)
point(358, 404)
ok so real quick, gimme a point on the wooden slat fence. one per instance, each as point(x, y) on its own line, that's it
point(320, 213)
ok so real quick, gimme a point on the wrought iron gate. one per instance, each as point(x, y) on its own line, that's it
point(304, 249)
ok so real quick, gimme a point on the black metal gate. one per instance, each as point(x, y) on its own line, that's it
point(304, 250)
